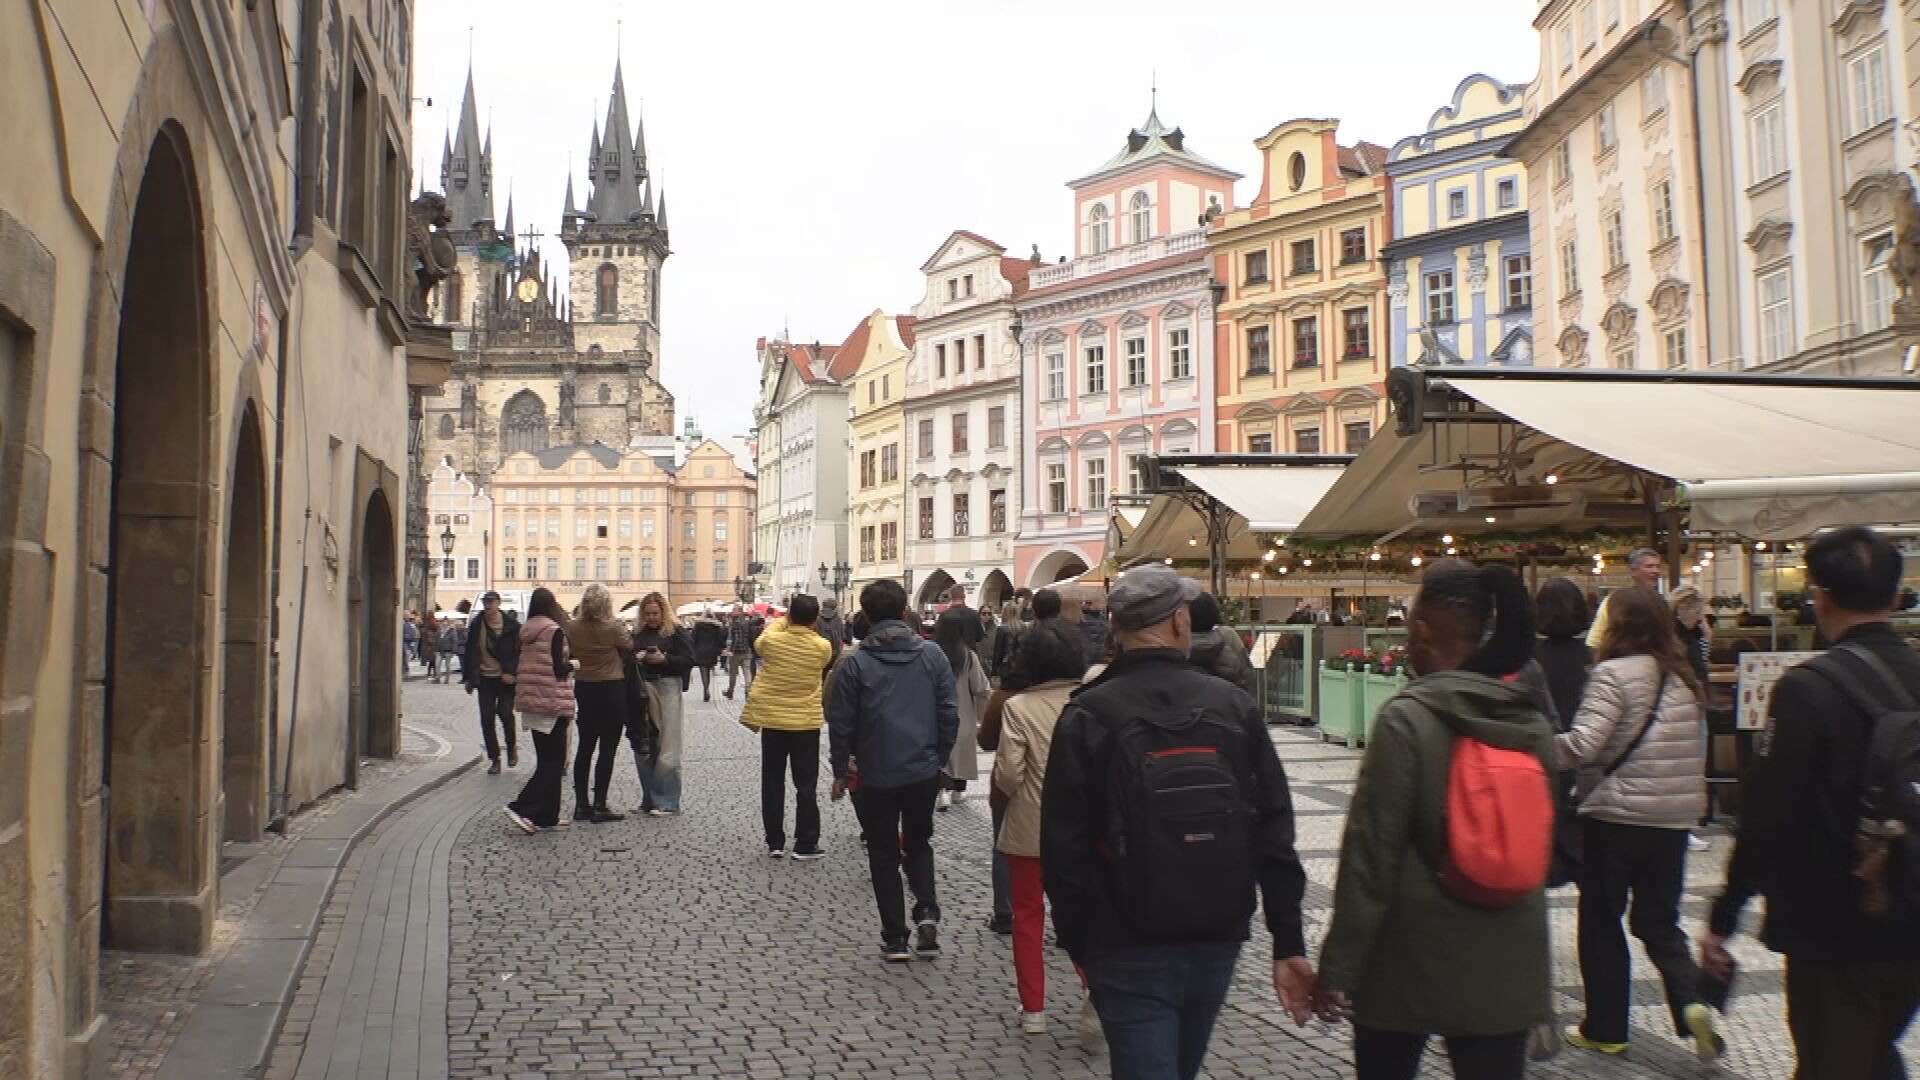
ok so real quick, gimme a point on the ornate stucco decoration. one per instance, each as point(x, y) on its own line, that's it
point(1768, 239)
point(1618, 323)
point(1669, 300)
point(1873, 196)
point(1857, 21)
point(1573, 347)
point(1761, 77)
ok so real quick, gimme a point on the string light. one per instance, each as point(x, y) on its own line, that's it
point(1761, 546)
point(1255, 575)
point(1447, 539)
point(1490, 519)
point(1416, 560)
point(1268, 557)
point(1169, 562)
point(1306, 562)
point(1553, 478)
point(1192, 542)
point(1452, 551)
point(1283, 569)
point(1375, 557)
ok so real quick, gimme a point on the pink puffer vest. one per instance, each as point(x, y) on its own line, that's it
point(535, 690)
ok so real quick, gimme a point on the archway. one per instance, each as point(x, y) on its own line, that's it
point(375, 710)
point(1058, 566)
point(243, 788)
point(996, 590)
point(934, 589)
point(159, 882)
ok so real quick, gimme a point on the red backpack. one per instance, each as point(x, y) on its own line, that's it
point(1499, 825)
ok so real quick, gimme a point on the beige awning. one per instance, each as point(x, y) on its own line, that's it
point(1764, 457)
point(1264, 499)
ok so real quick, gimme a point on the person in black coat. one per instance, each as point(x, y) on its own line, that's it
point(1561, 615)
point(487, 666)
point(709, 640)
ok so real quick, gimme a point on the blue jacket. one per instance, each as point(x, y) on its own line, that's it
point(892, 708)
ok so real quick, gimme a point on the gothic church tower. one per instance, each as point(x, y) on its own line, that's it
point(479, 281)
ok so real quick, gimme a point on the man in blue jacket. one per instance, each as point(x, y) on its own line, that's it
point(891, 709)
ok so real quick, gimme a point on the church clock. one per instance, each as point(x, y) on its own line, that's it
point(528, 290)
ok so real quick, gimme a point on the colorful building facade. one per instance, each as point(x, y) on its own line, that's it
point(875, 355)
point(1299, 358)
point(1460, 267)
point(1116, 346)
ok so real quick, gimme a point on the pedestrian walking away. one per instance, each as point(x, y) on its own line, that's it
point(709, 642)
point(831, 625)
point(1165, 808)
point(1218, 650)
point(1639, 745)
point(784, 706)
point(891, 708)
point(430, 648)
point(738, 653)
point(971, 691)
point(1814, 835)
point(487, 669)
point(543, 695)
point(602, 646)
point(1407, 958)
point(665, 661)
point(453, 643)
point(1561, 619)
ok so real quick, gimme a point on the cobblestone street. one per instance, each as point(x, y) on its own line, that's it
point(455, 946)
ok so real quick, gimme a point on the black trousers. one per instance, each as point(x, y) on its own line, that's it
point(798, 751)
point(496, 707)
point(706, 681)
point(1395, 1055)
point(896, 823)
point(539, 800)
point(603, 718)
point(1847, 1017)
point(1647, 867)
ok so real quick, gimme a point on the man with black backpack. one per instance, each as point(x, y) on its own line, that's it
point(1164, 807)
point(1830, 830)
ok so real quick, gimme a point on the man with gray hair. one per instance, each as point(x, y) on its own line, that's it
point(1647, 567)
point(1165, 809)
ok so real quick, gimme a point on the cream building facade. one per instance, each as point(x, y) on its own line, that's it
point(1614, 190)
point(457, 505)
point(963, 415)
point(875, 355)
point(801, 435)
point(204, 375)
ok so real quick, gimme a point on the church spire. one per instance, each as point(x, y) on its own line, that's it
point(510, 235)
point(661, 221)
point(617, 166)
point(466, 168)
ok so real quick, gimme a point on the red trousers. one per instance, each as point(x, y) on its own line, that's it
point(1029, 932)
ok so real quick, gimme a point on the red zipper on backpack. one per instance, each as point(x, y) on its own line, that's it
point(1173, 751)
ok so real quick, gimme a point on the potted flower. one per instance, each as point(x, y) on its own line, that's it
point(1385, 676)
point(1350, 660)
point(1339, 701)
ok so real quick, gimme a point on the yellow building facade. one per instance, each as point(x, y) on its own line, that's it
point(878, 447)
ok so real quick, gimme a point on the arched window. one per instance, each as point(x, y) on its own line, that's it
point(1099, 238)
point(606, 394)
point(1141, 211)
point(446, 425)
point(607, 299)
point(523, 423)
point(450, 300)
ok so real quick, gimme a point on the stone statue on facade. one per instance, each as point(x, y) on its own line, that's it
point(1906, 238)
point(566, 400)
point(429, 252)
point(469, 403)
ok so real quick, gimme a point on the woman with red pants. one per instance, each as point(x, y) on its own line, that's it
point(1054, 656)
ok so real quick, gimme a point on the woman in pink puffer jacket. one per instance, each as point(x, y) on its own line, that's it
point(543, 696)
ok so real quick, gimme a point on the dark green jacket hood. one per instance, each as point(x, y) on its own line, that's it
point(1496, 712)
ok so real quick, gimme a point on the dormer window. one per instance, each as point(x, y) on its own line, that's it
point(1099, 237)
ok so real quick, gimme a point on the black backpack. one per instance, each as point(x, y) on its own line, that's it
point(1887, 841)
point(1180, 826)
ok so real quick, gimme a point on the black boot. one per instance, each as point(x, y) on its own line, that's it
point(582, 809)
point(602, 814)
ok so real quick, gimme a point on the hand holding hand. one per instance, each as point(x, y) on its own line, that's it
point(839, 789)
point(1295, 981)
point(1333, 1006)
point(1715, 960)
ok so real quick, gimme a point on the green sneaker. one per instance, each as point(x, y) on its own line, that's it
point(1580, 1042)
point(1707, 1043)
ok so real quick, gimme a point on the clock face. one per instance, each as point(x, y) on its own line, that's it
point(528, 290)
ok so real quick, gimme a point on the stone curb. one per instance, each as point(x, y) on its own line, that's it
point(231, 1032)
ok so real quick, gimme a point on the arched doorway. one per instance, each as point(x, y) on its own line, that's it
point(243, 781)
point(375, 711)
point(159, 882)
point(1058, 566)
point(995, 591)
point(934, 589)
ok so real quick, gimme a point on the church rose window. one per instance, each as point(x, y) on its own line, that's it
point(523, 423)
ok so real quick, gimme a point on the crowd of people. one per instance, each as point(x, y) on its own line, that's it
point(1136, 791)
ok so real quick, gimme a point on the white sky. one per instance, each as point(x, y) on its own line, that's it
point(815, 154)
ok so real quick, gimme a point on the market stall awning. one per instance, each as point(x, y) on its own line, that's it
point(1767, 457)
point(1271, 498)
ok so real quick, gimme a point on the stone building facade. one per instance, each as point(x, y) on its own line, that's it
point(203, 213)
point(801, 437)
point(876, 354)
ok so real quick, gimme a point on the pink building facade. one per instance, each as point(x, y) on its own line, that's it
point(1116, 347)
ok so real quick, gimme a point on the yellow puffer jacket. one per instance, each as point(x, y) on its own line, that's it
point(786, 694)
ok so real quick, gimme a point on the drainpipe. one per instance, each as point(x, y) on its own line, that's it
point(277, 792)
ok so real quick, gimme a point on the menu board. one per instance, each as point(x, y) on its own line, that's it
point(1758, 672)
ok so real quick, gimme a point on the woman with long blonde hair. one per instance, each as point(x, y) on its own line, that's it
point(601, 644)
point(665, 661)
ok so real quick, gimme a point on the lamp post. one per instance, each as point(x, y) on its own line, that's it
point(435, 568)
point(835, 577)
point(743, 590)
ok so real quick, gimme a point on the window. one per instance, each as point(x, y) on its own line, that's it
point(926, 438)
point(692, 498)
point(1141, 214)
point(889, 463)
point(1096, 369)
point(450, 300)
point(979, 351)
point(689, 529)
point(607, 296)
point(1663, 211)
point(1517, 276)
point(580, 528)
point(1768, 136)
point(1876, 284)
point(1256, 268)
point(689, 568)
point(1457, 203)
point(646, 567)
point(1760, 12)
point(506, 528)
point(1306, 441)
point(1358, 324)
point(997, 427)
point(506, 567)
point(997, 510)
point(966, 285)
point(625, 565)
point(1056, 377)
point(553, 527)
point(720, 569)
point(1260, 444)
point(953, 288)
point(940, 361)
point(1259, 350)
point(720, 498)
point(626, 496)
point(870, 389)
point(1134, 351)
point(600, 568)
point(889, 540)
point(1624, 358)
point(1440, 298)
point(1099, 239)
point(1612, 18)
point(1056, 487)
point(869, 468)
point(1353, 246)
point(720, 528)
point(580, 568)
point(1139, 473)
point(867, 534)
point(1653, 93)
point(600, 530)
point(1180, 353)
point(962, 524)
point(959, 432)
point(446, 425)
point(960, 356)
point(1589, 26)
point(1776, 315)
point(1506, 194)
point(1562, 163)
point(886, 388)
point(1867, 89)
point(1605, 137)
point(1564, 40)
point(1302, 257)
point(1614, 224)
point(1674, 345)
point(1306, 342)
point(926, 517)
point(1569, 267)
point(1359, 434)
point(1096, 484)
point(646, 526)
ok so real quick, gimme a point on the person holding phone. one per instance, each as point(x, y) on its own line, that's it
point(666, 662)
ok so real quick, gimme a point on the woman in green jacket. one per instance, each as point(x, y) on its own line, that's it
point(1404, 959)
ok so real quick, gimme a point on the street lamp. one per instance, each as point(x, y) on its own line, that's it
point(835, 577)
point(743, 590)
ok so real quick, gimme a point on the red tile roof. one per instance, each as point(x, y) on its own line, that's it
point(1017, 272)
point(1363, 159)
point(904, 324)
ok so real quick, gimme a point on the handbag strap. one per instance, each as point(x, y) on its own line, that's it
point(1653, 711)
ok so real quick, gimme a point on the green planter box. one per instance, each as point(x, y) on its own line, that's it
point(1375, 691)
point(1339, 706)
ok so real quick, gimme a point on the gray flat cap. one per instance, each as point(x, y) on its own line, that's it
point(1149, 595)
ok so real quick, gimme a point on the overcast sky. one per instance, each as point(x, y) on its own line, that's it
point(814, 154)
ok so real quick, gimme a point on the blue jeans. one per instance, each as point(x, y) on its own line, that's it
point(1157, 1005)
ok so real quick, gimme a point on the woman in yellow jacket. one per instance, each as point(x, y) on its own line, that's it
point(783, 705)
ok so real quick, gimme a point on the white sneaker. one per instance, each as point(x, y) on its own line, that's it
point(943, 800)
point(959, 797)
point(1092, 1036)
point(1033, 1023)
point(1695, 842)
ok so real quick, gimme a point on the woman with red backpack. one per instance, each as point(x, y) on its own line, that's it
point(1439, 926)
